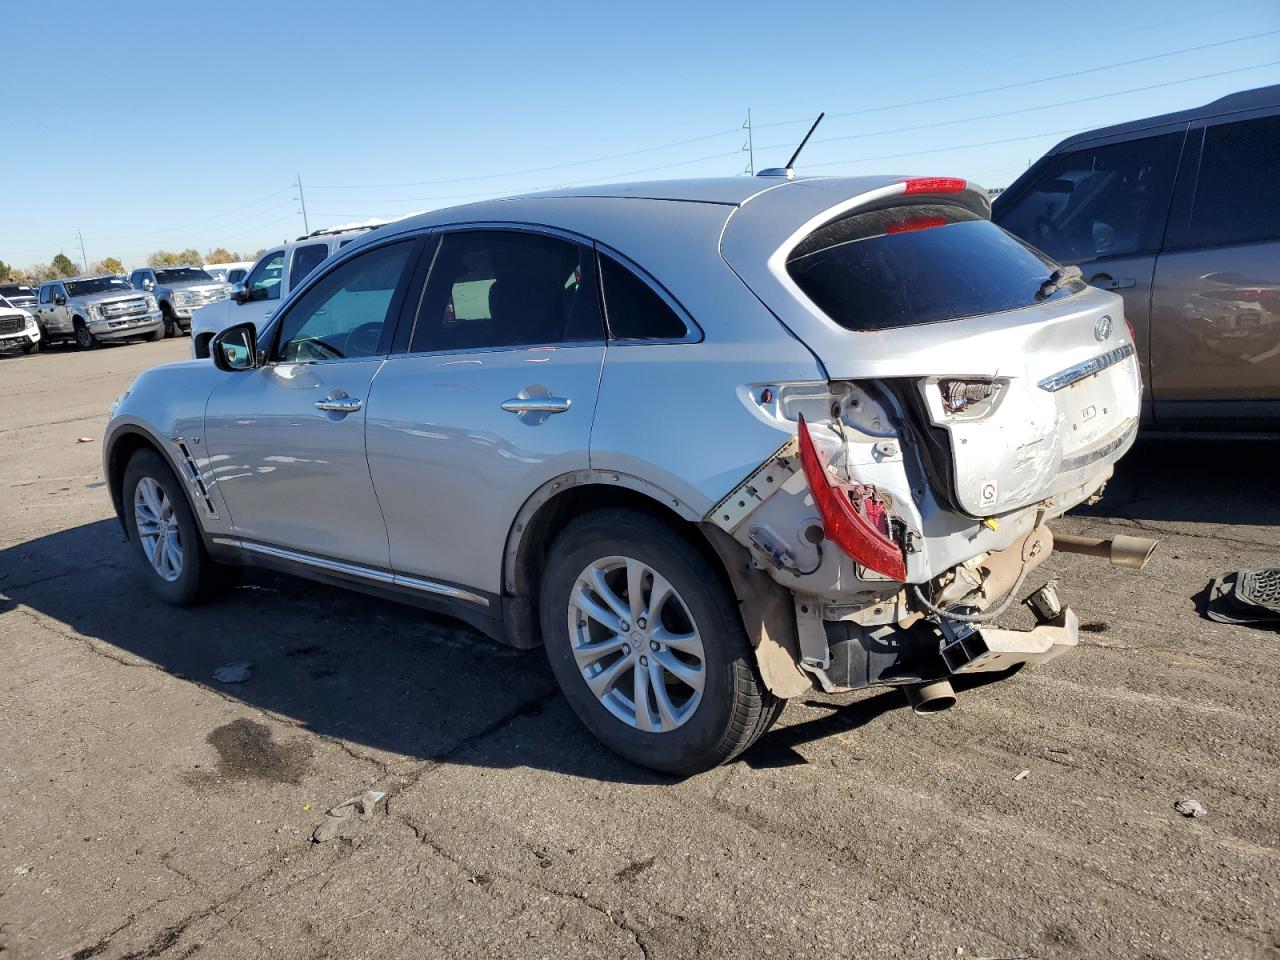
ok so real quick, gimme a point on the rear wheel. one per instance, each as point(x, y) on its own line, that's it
point(646, 642)
point(165, 533)
point(85, 339)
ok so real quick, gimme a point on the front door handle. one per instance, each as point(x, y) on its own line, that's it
point(537, 405)
point(1107, 282)
point(338, 404)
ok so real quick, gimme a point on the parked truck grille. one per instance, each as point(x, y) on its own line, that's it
point(123, 308)
point(12, 324)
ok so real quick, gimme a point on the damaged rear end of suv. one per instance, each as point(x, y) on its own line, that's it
point(974, 392)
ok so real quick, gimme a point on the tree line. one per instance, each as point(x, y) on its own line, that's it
point(63, 266)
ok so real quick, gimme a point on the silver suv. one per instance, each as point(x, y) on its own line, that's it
point(93, 309)
point(180, 291)
point(710, 443)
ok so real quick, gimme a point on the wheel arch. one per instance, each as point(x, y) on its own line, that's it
point(120, 448)
point(764, 605)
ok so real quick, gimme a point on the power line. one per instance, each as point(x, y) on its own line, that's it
point(1028, 83)
point(521, 173)
point(204, 220)
point(958, 146)
point(1046, 106)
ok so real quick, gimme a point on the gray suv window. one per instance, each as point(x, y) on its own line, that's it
point(498, 288)
point(1095, 202)
point(342, 315)
point(305, 259)
point(1234, 202)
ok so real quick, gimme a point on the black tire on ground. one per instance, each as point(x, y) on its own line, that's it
point(170, 324)
point(85, 340)
point(31, 347)
point(200, 576)
point(156, 334)
point(202, 346)
point(736, 708)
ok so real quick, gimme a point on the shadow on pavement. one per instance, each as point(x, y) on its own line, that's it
point(399, 679)
point(1204, 481)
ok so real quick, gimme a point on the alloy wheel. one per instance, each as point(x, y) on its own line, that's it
point(158, 531)
point(636, 644)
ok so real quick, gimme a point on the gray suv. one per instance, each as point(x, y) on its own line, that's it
point(699, 440)
point(93, 309)
point(180, 291)
point(1179, 215)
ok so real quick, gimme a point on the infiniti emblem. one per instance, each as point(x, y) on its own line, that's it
point(1102, 328)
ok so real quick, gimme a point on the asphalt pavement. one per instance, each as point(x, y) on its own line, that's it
point(153, 811)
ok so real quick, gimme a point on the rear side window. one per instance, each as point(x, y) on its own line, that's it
point(1235, 201)
point(498, 288)
point(634, 309)
point(305, 259)
point(1096, 202)
point(913, 264)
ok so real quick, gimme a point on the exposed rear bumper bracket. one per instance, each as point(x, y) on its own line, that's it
point(991, 649)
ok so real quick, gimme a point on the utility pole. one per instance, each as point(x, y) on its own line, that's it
point(83, 259)
point(750, 146)
point(306, 227)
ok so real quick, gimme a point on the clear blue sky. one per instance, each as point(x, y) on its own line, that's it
point(175, 125)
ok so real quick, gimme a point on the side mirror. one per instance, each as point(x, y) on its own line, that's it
point(60, 299)
point(148, 284)
point(236, 348)
point(238, 292)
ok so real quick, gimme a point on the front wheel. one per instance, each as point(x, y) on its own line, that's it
point(85, 339)
point(156, 334)
point(170, 323)
point(164, 532)
point(647, 644)
point(31, 347)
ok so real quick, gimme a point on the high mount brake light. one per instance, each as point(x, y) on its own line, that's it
point(847, 528)
point(934, 184)
point(910, 224)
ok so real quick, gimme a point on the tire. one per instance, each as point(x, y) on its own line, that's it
point(170, 324)
point(85, 340)
point(197, 576)
point(156, 334)
point(30, 348)
point(202, 345)
point(709, 726)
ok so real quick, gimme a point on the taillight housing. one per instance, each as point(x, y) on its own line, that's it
point(845, 526)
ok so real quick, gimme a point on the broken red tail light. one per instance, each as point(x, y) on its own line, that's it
point(848, 529)
point(934, 184)
point(908, 224)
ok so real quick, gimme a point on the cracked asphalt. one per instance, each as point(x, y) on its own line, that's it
point(154, 812)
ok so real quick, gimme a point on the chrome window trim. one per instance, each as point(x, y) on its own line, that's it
point(1086, 368)
point(355, 570)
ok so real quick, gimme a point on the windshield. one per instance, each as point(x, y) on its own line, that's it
point(920, 263)
point(16, 291)
point(87, 288)
point(5, 303)
point(182, 275)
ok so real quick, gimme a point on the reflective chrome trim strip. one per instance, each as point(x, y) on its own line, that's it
point(356, 570)
point(1119, 437)
point(1087, 368)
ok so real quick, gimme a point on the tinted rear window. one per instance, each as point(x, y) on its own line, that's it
point(919, 263)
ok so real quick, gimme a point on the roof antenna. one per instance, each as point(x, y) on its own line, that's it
point(789, 171)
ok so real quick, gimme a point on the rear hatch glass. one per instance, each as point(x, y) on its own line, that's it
point(918, 263)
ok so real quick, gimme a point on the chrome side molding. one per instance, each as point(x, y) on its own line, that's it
point(356, 570)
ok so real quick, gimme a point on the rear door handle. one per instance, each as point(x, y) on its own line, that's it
point(338, 404)
point(1106, 282)
point(537, 405)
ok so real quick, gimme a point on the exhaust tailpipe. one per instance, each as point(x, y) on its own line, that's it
point(1122, 551)
point(933, 697)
